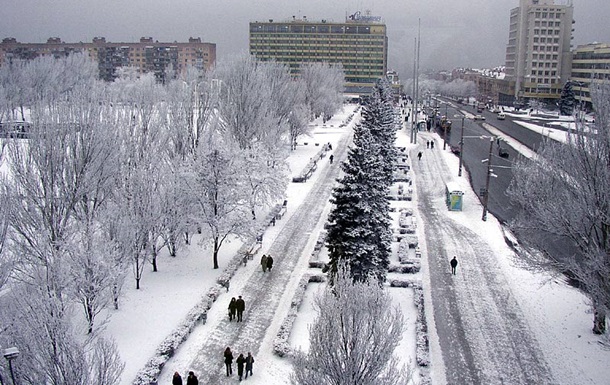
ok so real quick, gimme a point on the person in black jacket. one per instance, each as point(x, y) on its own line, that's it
point(241, 360)
point(454, 264)
point(177, 379)
point(269, 262)
point(232, 309)
point(228, 361)
point(240, 306)
point(192, 379)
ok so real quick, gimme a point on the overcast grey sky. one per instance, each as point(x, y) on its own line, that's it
point(454, 33)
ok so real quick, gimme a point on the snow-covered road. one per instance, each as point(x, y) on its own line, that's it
point(481, 329)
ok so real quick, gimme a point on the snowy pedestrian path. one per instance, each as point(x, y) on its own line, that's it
point(481, 329)
point(264, 291)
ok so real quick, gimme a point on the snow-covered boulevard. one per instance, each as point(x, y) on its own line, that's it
point(263, 291)
point(491, 323)
point(481, 329)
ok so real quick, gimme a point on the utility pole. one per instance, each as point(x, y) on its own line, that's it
point(414, 99)
point(486, 197)
point(461, 147)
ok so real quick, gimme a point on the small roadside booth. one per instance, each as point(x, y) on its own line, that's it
point(454, 194)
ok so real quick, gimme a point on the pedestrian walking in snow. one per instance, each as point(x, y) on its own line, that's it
point(419, 154)
point(240, 305)
point(228, 361)
point(427, 144)
point(269, 262)
point(264, 263)
point(192, 379)
point(232, 309)
point(454, 264)
point(249, 364)
point(331, 157)
point(177, 379)
point(241, 360)
point(432, 144)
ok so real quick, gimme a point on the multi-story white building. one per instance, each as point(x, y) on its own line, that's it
point(538, 57)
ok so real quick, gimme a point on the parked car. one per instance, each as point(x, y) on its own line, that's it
point(455, 149)
point(479, 117)
point(502, 152)
point(501, 116)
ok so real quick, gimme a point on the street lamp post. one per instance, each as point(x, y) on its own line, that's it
point(10, 354)
point(461, 147)
point(486, 197)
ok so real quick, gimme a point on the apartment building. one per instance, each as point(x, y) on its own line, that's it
point(590, 65)
point(538, 56)
point(360, 44)
point(147, 55)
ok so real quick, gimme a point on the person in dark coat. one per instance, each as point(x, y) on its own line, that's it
point(269, 262)
point(264, 263)
point(249, 363)
point(432, 144)
point(419, 154)
point(192, 379)
point(228, 361)
point(241, 360)
point(177, 379)
point(454, 264)
point(240, 305)
point(331, 158)
point(232, 309)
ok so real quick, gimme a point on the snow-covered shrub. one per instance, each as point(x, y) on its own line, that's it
point(281, 347)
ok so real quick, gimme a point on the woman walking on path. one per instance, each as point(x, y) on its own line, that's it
point(454, 264)
point(241, 360)
point(192, 379)
point(177, 379)
point(228, 361)
point(269, 262)
point(232, 309)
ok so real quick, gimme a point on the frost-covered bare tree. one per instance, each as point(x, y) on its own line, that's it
point(214, 180)
point(6, 263)
point(139, 180)
point(323, 87)
point(566, 193)
point(353, 340)
point(245, 107)
point(51, 350)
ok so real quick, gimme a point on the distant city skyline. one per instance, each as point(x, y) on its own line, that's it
point(454, 33)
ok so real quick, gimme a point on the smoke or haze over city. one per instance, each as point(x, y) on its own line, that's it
point(454, 33)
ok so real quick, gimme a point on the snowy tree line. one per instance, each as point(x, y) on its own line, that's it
point(454, 88)
point(111, 173)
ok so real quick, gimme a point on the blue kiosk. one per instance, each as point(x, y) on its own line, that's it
point(454, 194)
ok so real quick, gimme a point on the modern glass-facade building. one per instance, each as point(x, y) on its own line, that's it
point(360, 44)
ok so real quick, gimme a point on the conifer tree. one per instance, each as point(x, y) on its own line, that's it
point(567, 100)
point(360, 230)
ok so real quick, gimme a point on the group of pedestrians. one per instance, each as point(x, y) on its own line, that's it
point(430, 144)
point(266, 262)
point(242, 362)
point(236, 309)
point(190, 380)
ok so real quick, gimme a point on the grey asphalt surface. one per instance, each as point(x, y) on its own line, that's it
point(263, 292)
point(481, 329)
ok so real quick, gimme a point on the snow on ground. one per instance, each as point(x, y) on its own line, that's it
point(557, 313)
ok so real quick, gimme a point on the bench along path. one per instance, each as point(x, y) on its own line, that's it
point(263, 292)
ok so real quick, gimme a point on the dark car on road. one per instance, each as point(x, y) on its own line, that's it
point(502, 152)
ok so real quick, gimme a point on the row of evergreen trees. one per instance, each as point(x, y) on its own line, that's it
point(359, 233)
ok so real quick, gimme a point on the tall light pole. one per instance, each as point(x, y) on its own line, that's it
point(486, 197)
point(10, 354)
point(461, 146)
